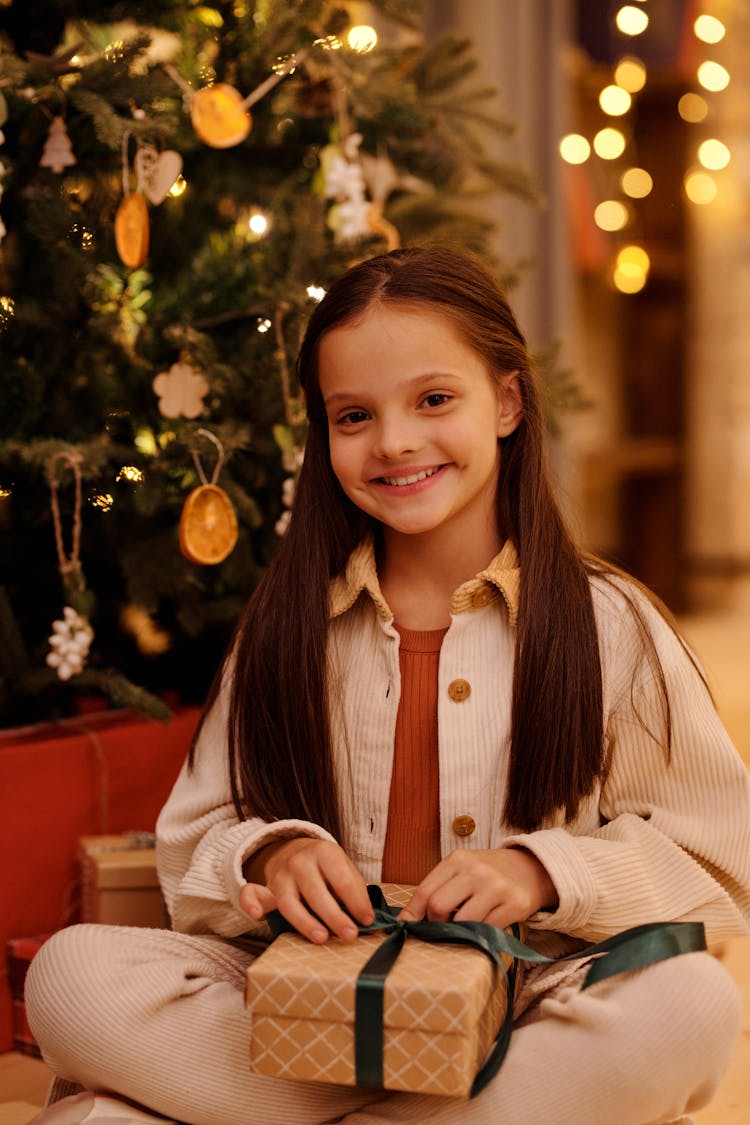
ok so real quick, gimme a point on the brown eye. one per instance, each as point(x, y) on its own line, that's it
point(436, 399)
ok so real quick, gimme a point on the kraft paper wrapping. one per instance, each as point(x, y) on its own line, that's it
point(443, 1007)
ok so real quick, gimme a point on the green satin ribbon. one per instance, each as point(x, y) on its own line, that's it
point(632, 949)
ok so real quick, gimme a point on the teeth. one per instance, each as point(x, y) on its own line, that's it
point(401, 481)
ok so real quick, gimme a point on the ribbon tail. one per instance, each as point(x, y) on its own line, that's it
point(644, 945)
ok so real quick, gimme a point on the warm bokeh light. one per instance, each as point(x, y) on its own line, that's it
point(130, 473)
point(714, 154)
point(362, 38)
point(263, 324)
point(609, 144)
point(700, 187)
point(636, 182)
point(316, 292)
point(713, 76)
point(630, 73)
point(631, 21)
point(614, 100)
point(611, 215)
point(179, 187)
point(692, 108)
point(258, 223)
point(631, 269)
point(574, 148)
point(708, 29)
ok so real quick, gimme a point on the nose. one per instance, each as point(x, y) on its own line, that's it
point(395, 438)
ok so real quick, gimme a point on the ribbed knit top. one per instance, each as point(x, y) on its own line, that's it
point(412, 841)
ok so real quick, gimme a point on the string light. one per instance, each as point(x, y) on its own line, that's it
point(575, 149)
point(362, 38)
point(7, 311)
point(130, 473)
point(263, 324)
point(636, 182)
point(714, 154)
point(631, 270)
point(258, 222)
point(102, 500)
point(630, 73)
point(609, 144)
point(708, 29)
point(611, 215)
point(615, 101)
point(179, 187)
point(692, 108)
point(713, 76)
point(631, 21)
point(316, 292)
point(700, 187)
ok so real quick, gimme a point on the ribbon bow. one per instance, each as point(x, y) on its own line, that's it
point(631, 949)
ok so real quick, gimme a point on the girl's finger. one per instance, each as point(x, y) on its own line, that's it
point(257, 900)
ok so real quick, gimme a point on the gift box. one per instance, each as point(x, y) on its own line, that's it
point(442, 1007)
point(19, 954)
point(119, 883)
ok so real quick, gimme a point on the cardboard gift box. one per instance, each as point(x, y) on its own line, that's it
point(119, 883)
point(443, 1005)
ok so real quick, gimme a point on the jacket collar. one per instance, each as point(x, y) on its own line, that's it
point(501, 576)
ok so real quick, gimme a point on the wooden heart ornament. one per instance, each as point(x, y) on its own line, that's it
point(156, 171)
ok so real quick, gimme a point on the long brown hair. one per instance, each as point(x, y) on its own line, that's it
point(280, 754)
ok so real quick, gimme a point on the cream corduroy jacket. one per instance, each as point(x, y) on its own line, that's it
point(655, 841)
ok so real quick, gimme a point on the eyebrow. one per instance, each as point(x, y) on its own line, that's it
point(415, 382)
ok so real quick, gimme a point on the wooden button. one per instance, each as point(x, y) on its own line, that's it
point(459, 690)
point(464, 825)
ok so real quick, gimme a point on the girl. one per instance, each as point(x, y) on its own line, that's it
point(433, 686)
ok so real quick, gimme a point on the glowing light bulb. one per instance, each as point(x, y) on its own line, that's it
point(713, 76)
point(709, 30)
point(130, 473)
point(630, 73)
point(362, 38)
point(179, 187)
point(575, 149)
point(636, 182)
point(631, 269)
point(631, 21)
point(258, 223)
point(316, 292)
point(700, 187)
point(611, 215)
point(615, 101)
point(692, 108)
point(714, 154)
point(263, 324)
point(609, 144)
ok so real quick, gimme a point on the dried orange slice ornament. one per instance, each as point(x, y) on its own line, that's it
point(219, 115)
point(208, 525)
point(132, 230)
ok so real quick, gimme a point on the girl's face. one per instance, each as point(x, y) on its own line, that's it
point(414, 419)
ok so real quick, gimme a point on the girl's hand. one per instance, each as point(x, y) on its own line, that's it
point(305, 877)
point(500, 886)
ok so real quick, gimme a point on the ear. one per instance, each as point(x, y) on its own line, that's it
point(509, 403)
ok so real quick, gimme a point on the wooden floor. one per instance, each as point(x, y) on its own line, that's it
point(722, 644)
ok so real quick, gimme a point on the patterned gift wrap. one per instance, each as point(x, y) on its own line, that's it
point(443, 1006)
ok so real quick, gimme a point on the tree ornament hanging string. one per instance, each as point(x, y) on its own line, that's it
point(69, 565)
point(208, 524)
point(72, 634)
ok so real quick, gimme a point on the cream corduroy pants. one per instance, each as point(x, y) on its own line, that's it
point(159, 1017)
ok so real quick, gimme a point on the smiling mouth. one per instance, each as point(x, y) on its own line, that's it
point(413, 478)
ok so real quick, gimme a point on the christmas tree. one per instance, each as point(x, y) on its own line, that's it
point(180, 181)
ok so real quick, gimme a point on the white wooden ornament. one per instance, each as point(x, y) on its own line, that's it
point(58, 151)
point(181, 391)
point(156, 171)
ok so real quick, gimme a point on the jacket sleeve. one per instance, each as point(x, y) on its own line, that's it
point(202, 844)
point(673, 842)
